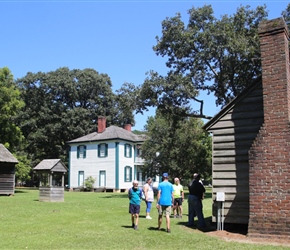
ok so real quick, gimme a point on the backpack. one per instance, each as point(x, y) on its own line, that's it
point(141, 193)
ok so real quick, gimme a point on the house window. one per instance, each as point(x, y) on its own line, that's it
point(81, 178)
point(128, 151)
point(139, 151)
point(128, 174)
point(103, 150)
point(81, 151)
point(140, 176)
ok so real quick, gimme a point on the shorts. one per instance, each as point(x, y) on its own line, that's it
point(166, 209)
point(177, 201)
point(134, 209)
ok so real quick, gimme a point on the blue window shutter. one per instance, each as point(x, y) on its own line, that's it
point(130, 151)
point(99, 150)
point(130, 174)
point(85, 151)
point(78, 151)
point(106, 152)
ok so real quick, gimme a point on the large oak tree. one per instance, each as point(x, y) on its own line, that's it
point(62, 105)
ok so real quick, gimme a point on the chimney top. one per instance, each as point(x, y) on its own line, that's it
point(101, 124)
point(128, 127)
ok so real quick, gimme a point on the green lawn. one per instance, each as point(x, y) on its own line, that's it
point(88, 220)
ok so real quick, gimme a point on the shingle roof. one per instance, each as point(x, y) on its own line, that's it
point(6, 156)
point(49, 164)
point(110, 133)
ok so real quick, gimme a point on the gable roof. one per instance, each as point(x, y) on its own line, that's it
point(111, 133)
point(52, 165)
point(6, 156)
point(231, 104)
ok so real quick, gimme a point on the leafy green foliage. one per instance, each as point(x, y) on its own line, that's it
point(89, 182)
point(62, 105)
point(221, 56)
point(183, 146)
point(10, 105)
point(23, 168)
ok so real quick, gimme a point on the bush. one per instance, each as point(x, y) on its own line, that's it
point(89, 183)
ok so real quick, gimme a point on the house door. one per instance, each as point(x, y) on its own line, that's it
point(102, 179)
point(81, 178)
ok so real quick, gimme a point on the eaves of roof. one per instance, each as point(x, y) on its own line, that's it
point(110, 133)
point(231, 104)
point(6, 156)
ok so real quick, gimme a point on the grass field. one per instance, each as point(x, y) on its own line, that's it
point(87, 220)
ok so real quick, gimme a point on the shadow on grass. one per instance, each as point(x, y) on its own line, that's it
point(212, 226)
point(116, 196)
point(156, 229)
point(127, 226)
point(20, 191)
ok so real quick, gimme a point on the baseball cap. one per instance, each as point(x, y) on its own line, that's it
point(165, 175)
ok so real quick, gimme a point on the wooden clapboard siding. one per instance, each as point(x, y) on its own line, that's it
point(234, 130)
point(7, 178)
point(7, 171)
point(51, 194)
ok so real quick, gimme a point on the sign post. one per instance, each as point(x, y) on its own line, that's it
point(220, 198)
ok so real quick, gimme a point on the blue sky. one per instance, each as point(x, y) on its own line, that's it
point(112, 37)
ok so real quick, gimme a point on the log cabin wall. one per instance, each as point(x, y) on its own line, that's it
point(234, 130)
point(7, 178)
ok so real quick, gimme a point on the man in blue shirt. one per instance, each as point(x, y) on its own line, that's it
point(164, 201)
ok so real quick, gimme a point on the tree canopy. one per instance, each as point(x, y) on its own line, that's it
point(10, 105)
point(179, 147)
point(220, 56)
point(62, 105)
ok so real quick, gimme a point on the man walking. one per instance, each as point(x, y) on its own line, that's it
point(164, 201)
point(135, 194)
point(196, 194)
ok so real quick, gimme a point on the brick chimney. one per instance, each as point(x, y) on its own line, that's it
point(128, 127)
point(101, 124)
point(269, 157)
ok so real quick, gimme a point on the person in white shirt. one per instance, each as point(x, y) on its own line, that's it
point(149, 196)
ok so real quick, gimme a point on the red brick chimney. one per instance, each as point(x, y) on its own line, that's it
point(269, 157)
point(101, 124)
point(128, 127)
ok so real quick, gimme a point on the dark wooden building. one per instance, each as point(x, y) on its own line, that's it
point(251, 144)
point(51, 174)
point(7, 171)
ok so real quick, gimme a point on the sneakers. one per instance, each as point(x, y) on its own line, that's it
point(148, 217)
point(135, 227)
point(168, 231)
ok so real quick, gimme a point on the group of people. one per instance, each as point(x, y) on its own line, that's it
point(169, 197)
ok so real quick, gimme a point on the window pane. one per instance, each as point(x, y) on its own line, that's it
point(102, 150)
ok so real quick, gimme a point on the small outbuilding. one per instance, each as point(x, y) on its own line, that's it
point(51, 173)
point(7, 171)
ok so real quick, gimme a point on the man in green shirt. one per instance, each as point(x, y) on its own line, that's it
point(178, 195)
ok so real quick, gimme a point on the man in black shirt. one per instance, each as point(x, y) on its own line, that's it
point(196, 194)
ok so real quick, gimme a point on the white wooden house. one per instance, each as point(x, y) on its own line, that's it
point(112, 156)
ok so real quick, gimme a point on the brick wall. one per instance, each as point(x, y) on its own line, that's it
point(269, 157)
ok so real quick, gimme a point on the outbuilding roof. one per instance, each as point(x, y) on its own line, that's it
point(6, 156)
point(51, 165)
point(111, 133)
